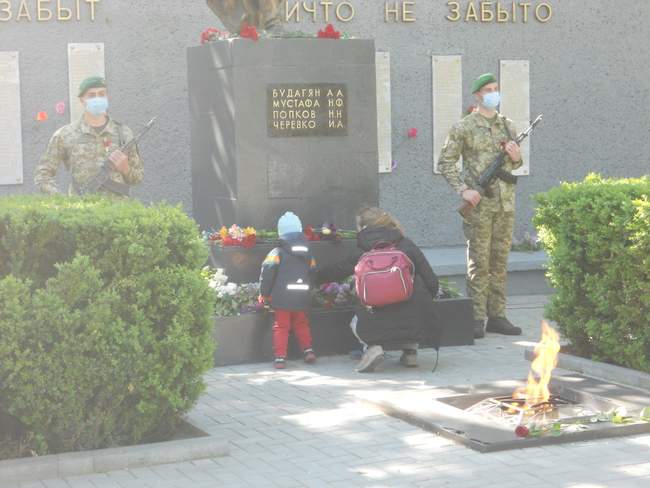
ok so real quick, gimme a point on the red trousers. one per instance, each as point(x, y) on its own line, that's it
point(285, 321)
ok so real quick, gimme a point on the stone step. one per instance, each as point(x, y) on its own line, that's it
point(526, 270)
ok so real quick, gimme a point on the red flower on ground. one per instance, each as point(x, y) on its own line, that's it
point(412, 133)
point(329, 33)
point(41, 116)
point(522, 431)
point(249, 32)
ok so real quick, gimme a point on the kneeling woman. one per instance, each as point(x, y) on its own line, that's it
point(397, 326)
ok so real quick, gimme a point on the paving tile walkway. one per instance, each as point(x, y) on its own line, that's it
point(308, 426)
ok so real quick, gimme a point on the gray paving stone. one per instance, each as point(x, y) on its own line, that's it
point(306, 427)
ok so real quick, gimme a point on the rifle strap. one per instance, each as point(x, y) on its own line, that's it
point(501, 173)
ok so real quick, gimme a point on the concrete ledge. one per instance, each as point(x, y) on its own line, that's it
point(103, 460)
point(526, 270)
point(604, 371)
point(448, 261)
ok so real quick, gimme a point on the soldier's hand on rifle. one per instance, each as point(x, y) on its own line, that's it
point(514, 151)
point(471, 196)
point(120, 161)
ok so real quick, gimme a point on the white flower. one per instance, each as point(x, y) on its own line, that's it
point(230, 289)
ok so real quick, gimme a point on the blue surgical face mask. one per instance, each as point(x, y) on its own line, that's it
point(97, 105)
point(491, 100)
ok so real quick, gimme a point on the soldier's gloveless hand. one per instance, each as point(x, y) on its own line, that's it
point(120, 161)
point(514, 151)
point(471, 196)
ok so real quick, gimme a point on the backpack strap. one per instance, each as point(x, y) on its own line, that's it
point(382, 245)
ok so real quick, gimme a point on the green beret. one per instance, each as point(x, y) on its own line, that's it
point(92, 82)
point(483, 80)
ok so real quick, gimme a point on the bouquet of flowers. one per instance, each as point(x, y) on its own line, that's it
point(212, 34)
point(331, 295)
point(234, 236)
point(327, 232)
point(230, 298)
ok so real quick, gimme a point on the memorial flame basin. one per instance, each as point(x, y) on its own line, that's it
point(461, 413)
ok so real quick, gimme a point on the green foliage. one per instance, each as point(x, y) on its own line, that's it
point(597, 234)
point(447, 289)
point(105, 319)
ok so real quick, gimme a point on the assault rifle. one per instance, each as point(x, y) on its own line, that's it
point(103, 178)
point(495, 170)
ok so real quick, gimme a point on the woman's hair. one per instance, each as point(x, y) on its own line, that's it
point(376, 217)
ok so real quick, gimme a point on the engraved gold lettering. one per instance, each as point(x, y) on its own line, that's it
point(295, 10)
point(62, 13)
point(502, 14)
point(538, 12)
point(23, 11)
point(43, 13)
point(5, 11)
point(351, 11)
point(471, 13)
point(487, 15)
point(454, 8)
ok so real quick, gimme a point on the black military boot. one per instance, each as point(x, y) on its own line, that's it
point(502, 325)
point(479, 329)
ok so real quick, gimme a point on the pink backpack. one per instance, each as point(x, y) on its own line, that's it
point(383, 276)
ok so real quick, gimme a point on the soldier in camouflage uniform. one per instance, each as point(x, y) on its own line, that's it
point(479, 138)
point(84, 145)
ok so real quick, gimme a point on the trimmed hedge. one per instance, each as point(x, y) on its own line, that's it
point(105, 319)
point(597, 233)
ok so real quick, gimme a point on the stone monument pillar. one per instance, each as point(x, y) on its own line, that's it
point(282, 124)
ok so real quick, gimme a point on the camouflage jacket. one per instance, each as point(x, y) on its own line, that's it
point(478, 140)
point(82, 150)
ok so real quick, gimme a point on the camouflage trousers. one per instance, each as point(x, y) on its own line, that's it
point(489, 237)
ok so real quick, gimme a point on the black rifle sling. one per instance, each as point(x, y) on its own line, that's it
point(501, 173)
point(116, 186)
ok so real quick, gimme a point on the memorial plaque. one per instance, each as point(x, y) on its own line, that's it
point(11, 139)
point(307, 109)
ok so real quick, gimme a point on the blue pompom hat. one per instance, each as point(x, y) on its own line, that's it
point(289, 223)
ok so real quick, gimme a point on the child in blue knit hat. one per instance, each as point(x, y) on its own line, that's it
point(285, 284)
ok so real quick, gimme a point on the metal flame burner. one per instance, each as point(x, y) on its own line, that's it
point(513, 410)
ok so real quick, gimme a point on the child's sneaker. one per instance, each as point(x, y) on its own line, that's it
point(309, 356)
point(280, 363)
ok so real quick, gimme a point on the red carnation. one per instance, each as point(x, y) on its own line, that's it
point(412, 133)
point(522, 431)
point(310, 234)
point(207, 33)
point(249, 32)
point(249, 241)
point(329, 33)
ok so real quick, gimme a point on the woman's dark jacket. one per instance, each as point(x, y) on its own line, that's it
point(403, 322)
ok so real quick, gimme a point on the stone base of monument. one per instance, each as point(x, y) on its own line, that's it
point(243, 265)
point(247, 338)
point(282, 124)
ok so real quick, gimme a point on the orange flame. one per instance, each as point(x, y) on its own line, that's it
point(546, 351)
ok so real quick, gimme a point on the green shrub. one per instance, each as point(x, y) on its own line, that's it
point(597, 234)
point(105, 319)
